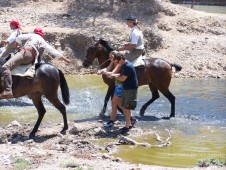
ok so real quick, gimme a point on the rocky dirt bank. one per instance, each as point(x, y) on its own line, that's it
point(77, 149)
point(193, 39)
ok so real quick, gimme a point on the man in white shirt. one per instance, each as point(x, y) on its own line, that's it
point(34, 47)
point(10, 43)
point(136, 46)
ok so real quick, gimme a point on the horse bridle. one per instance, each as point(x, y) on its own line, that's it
point(88, 61)
point(103, 63)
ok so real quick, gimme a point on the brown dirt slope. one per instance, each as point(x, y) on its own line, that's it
point(193, 39)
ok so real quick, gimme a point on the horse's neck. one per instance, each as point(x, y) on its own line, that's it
point(103, 61)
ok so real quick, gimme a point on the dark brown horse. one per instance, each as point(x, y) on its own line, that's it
point(157, 74)
point(45, 83)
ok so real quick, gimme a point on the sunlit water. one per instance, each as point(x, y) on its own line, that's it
point(199, 126)
point(208, 8)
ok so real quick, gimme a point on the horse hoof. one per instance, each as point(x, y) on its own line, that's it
point(172, 115)
point(101, 114)
point(166, 118)
point(141, 113)
point(63, 132)
point(31, 135)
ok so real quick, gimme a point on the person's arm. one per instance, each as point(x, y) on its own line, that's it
point(102, 71)
point(56, 53)
point(127, 47)
point(106, 70)
point(23, 37)
point(119, 77)
point(133, 43)
point(12, 37)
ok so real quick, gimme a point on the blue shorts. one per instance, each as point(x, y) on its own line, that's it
point(118, 91)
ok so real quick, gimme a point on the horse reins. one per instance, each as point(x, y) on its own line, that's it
point(103, 63)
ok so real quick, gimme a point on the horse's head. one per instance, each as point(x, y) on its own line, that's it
point(91, 55)
point(99, 50)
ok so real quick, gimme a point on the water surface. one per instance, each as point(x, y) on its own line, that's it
point(198, 131)
point(208, 8)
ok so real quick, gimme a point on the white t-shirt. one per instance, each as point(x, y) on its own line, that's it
point(14, 33)
point(136, 38)
point(36, 41)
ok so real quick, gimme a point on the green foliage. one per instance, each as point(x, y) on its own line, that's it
point(22, 164)
point(73, 166)
point(211, 161)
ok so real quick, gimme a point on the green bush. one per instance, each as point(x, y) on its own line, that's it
point(21, 164)
point(211, 161)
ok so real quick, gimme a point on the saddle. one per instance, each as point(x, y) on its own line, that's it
point(27, 70)
point(24, 71)
point(139, 62)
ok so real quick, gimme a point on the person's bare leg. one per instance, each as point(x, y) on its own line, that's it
point(127, 114)
point(114, 104)
point(116, 101)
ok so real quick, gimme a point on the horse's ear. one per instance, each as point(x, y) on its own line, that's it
point(93, 40)
point(97, 43)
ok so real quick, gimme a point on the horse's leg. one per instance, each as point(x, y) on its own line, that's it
point(155, 95)
point(52, 97)
point(36, 98)
point(171, 98)
point(109, 95)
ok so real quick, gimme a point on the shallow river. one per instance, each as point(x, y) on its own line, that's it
point(199, 126)
point(208, 8)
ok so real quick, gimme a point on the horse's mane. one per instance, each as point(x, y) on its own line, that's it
point(106, 45)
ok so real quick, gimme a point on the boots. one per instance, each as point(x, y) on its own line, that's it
point(6, 82)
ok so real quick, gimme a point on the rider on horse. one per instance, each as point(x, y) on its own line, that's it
point(34, 47)
point(10, 43)
point(136, 46)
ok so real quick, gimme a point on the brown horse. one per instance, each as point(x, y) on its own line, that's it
point(157, 74)
point(45, 83)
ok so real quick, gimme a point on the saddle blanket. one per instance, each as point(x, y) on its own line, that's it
point(24, 71)
point(139, 61)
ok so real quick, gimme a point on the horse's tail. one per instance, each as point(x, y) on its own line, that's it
point(177, 67)
point(64, 88)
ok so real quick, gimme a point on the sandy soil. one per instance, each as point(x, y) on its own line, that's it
point(193, 39)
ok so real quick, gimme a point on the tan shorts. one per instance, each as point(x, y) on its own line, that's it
point(132, 55)
point(129, 99)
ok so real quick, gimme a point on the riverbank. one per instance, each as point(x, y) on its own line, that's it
point(77, 149)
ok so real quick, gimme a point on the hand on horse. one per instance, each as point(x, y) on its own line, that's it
point(111, 76)
point(99, 72)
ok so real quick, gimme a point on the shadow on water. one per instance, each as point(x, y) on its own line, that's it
point(91, 119)
point(120, 117)
point(15, 102)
